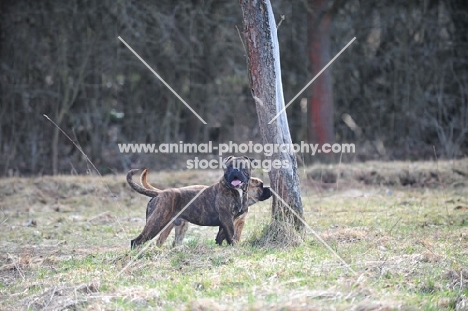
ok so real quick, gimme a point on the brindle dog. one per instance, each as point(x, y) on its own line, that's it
point(256, 192)
point(216, 205)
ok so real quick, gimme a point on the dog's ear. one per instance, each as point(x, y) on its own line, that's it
point(227, 159)
point(250, 159)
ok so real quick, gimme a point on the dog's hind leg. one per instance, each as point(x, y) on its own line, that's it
point(150, 207)
point(153, 225)
point(163, 236)
point(180, 231)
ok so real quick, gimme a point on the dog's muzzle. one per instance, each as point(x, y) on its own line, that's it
point(266, 194)
point(236, 178)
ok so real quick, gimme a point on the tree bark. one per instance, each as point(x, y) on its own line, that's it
point(267, 90)
point(320, 112)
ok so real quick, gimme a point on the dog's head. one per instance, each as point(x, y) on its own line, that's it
point(237, 172)
point(257, 192)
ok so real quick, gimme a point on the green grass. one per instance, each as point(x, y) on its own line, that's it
point(408, 245)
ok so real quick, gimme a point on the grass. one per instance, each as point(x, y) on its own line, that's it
point(66, 241)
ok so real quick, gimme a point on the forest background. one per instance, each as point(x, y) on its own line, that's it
point(399, 92)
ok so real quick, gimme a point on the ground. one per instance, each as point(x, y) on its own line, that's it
point(402, 228)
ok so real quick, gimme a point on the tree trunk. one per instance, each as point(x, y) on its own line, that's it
point(267, 90)
point(320, 112)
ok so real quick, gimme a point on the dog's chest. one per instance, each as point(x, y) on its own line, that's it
point(241, 193)
point(241, 201)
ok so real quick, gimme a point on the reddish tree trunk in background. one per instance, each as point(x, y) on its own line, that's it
point(320, 112)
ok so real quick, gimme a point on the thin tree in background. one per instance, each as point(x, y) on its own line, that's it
point(267, 90)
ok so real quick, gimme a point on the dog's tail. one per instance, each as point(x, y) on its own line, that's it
point(144, 181)
point(148, 192)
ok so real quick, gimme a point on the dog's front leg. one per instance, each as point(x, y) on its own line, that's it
point(220, 237)
point(238, 227)
point(228, 229)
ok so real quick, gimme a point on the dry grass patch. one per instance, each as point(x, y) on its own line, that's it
point(277, 234)
point(66, 241)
